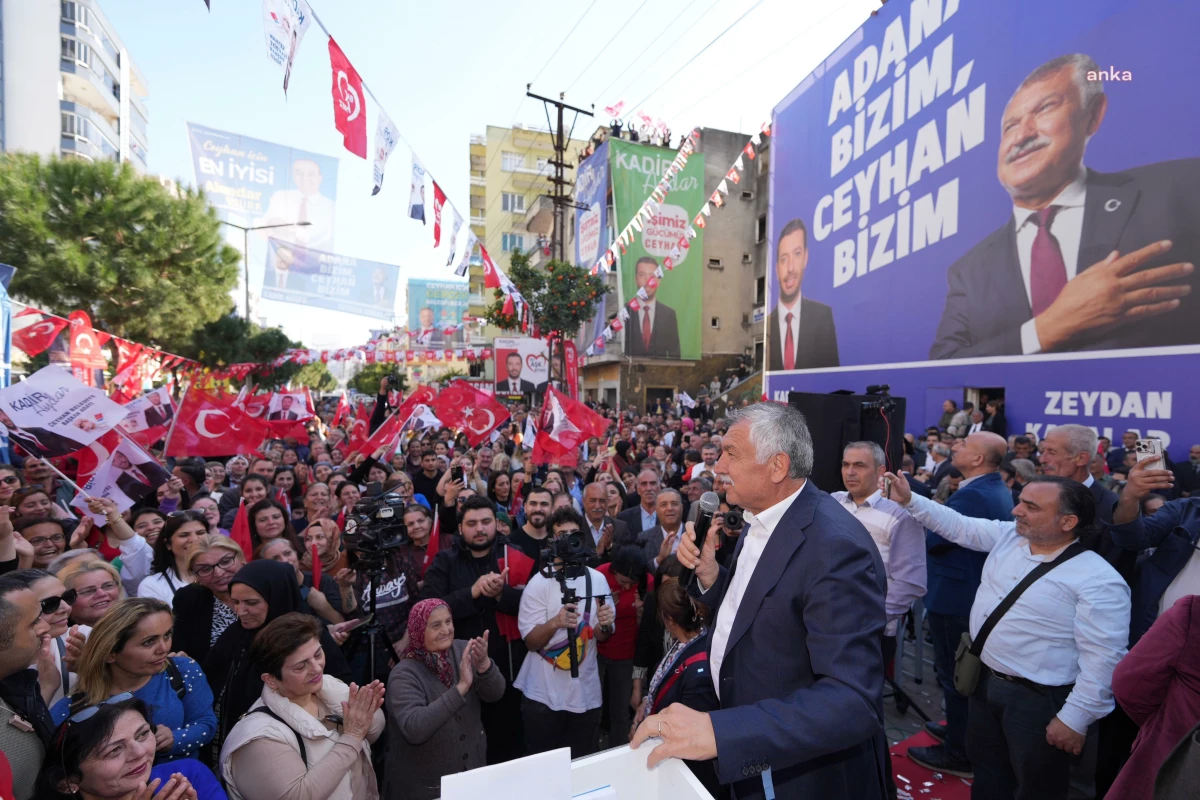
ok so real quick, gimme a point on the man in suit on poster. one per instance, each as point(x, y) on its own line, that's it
point(795, 647)
point(652, 330)
point(1087, 260)
point(284, 413)
point(158, 413)
point(801, 330)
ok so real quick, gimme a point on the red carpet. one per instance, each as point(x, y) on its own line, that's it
point(919, 783)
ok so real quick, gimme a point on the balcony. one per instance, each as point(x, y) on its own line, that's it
point(478, 138)
point(83, 135)
point(85, 79)
point(478, 181)
point(539, 218)
point(478, 219)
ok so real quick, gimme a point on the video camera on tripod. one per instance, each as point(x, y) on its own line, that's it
point(565, 558)
point(374, 528)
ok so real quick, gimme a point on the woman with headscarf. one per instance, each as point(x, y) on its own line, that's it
point(261, 591)
point(433, 710)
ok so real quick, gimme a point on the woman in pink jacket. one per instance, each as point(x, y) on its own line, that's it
point(1158, 685)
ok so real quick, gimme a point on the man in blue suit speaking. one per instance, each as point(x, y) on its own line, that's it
point(954, 576)
point(795, 642)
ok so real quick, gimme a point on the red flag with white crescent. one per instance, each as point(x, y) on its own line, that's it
point(36, 338)
point(349, 109)
point(462, 406)
point(439, 200)
point(360, 429)
point(491, 274)
point(208, 427)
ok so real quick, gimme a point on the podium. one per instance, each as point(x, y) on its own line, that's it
point(616, 774)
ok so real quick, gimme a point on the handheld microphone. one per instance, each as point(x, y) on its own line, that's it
point(709, 503)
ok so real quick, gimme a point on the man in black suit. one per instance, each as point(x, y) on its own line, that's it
point(661, 540)
point(607, 534)
point(1187, 474)
point(942, 464)
point(285, 412)
point(1115, 457)
point(514, 384)
point(39, 442)
point(801, 330)
point(644, 515)
point(158, 413)
point(652, 330)
point(1088, 260)
point(137, 481)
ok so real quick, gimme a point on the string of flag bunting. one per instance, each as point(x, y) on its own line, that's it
point(610, 259)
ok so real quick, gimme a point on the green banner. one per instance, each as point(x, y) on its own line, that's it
point(673, 309)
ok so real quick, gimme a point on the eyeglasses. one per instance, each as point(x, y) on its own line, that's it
point(51, 604)
point(107, 586)
point(204, 570)
point(87, 713)
point(10, 480)
point(38, 541)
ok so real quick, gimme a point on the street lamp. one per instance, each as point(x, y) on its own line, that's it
point(246, 248)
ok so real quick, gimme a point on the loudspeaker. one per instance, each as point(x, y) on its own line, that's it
point(835, 420)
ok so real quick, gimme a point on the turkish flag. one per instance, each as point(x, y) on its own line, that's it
point(520, 570)
point(491, 274)
point(206, 426)
point(434, 545)
point(240, 532)
point(343, 410)
point(129, 356)
point(349, 108)
point(36, 338)
point(386, 434)
point(476, 414)
point(439, 200)
point(95, 454)
point(360, 429)
point(565, 424)
point(421, 396)
point(85, 351)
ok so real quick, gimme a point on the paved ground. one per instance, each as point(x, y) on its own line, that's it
point(920, 685)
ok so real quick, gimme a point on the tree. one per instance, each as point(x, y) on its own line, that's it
point(315, 376)
point(233, 340)
point(368, 378)
point(145, 264)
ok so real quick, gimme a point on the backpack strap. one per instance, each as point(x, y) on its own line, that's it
point(277, 718)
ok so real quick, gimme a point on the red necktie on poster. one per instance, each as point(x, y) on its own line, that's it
point(646, 330)
point(1047, 271)
point(789, 346)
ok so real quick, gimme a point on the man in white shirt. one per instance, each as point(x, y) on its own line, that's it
point(303, 204)
point(558, 709)
point(795, 644)
point(1049, 660)
point(976, 422)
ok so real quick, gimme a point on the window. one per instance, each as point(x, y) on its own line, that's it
point(543, 165)
point(714, 323)
point(747, 196)
point(512, 241)
point(747, 259)
point(760, 229)
point(760, 291)
point(513, 202)
point(511, 161)
point(715, 263)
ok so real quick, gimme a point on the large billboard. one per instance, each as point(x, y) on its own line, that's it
point(591, 231)
point(995, 195)
point(434, 306)
point(522, 367)
point(309, 277)
point(667, 323)
point(251, 183)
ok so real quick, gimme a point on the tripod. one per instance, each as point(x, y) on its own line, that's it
point(569, 598)
point(374, 627)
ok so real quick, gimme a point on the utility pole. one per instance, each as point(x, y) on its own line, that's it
point(561, 197)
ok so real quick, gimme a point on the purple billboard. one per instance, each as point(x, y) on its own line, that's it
point(1000, 197)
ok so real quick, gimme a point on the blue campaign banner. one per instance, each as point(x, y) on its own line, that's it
point(6, 274)
point(434, 306)
point(252, 183)
point(310, 277)
point(591, 228)
point(993, 195)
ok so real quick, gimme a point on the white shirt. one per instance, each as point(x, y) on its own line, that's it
point(674, 544)
point(1071, 626)
point(648, 520)
point(761, 527)
point(782, 311)
point(1067, 228)
point(162, 586)
point(1186, 582)
point(541, 681)
point(597, 532)
point(976, 427)
point(286, 205)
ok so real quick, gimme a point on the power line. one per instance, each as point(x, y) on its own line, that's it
point(662, 52)
point(606, 44)
point(561, 43)
point(733, 24)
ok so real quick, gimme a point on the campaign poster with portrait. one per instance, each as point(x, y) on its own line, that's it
point(434, 307)
point(667, 323)
point(522, 367)
point(127, 476)
point(288, 407)
point(51, 414)
point(152, 410)
point(301, 275)
point(956, 202)
point(591, 232)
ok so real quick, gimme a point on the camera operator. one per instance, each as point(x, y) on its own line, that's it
point(729, 518)
point(558, 708)
point(469, 579)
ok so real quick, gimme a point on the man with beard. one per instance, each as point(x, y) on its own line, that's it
point(468, 577)
point(531, 537)
point(801, 330)
point(1087, 260)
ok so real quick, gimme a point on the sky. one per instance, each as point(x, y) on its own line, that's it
point(447, 69)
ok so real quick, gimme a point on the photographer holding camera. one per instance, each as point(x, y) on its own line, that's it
point(557, 707)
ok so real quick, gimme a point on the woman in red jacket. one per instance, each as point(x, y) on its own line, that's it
point(1158, 685)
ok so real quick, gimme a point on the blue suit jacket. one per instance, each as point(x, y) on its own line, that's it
point(802, 678)
point(954, 572)
point(1174, 531)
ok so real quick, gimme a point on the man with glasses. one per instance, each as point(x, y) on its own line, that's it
point(26, 729)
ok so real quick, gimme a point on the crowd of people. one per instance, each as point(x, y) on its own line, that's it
point(154, 651)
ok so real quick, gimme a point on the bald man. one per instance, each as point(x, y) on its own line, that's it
point(954, 576)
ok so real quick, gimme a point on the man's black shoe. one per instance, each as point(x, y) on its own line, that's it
point(937, 730)
point(937, 759)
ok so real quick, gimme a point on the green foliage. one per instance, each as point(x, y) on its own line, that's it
point(315, 376)
point(146, 265)
point(233, 340)
point(562, 298)
point(368, 378)
point(452, 375)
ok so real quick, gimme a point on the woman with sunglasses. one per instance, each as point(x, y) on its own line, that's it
point(10, 481)
point(56, 679)
point(106, 752)
point(207, 604)
point(168, 570)
point(129, 652)
point(97, 587)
